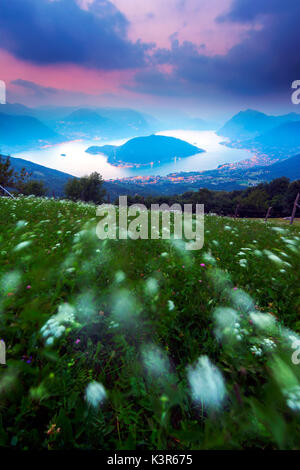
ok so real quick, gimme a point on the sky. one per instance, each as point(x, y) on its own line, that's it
point(203, 57)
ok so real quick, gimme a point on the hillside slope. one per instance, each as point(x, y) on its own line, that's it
point(250, 124)
point(17, 131)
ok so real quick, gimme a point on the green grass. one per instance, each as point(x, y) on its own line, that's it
point(141, 313)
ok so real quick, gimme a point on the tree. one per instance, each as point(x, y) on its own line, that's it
point(6, 172)
point(278, 186)
point(9, 177)
point(88, 188)
point(37, 188)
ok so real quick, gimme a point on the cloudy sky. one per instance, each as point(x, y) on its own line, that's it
point(192, 55)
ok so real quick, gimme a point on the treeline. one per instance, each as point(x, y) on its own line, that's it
point(279, 194)
point(19, 181)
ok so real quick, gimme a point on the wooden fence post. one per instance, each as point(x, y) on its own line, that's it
point(295, 208)
point(268, 214)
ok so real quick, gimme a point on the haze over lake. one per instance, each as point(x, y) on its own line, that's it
point(71, 157)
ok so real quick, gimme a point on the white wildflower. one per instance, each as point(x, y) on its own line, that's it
point(95, 394)
point(225, 321)
point(155, 360)
point(206, 383)
point(263, 321)
point(22, 245)
point(293, 397)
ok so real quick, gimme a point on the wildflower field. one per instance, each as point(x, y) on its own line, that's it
point(123, 344)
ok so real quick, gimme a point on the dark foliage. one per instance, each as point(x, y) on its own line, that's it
point(88, 188)
point(251, 202)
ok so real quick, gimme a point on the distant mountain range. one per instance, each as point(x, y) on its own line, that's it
point(22, 127)
point(273, 137)
point(103, 124)
point(17, 131)
point(146, 150)
point(279, 141)
point(250, 124)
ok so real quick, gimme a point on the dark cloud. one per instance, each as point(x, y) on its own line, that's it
point(37, 90)
point(244, 11)
point(59, 31)
point(152, 81)
point(37, 94)
point(265, 62)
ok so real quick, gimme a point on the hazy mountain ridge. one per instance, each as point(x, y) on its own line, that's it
point(19, 132)
point(101, 123)
point(284, 138)
point(250, 124)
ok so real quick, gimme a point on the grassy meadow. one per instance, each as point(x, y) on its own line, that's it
point(123, 344)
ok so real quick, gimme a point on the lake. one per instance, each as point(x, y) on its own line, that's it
point(71, 157)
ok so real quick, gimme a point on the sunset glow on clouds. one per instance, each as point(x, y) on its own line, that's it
point(133, 50)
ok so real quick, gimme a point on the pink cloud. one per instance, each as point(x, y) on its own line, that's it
point(70, 78)
point(193, 20)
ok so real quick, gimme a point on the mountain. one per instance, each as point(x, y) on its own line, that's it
point(250, 124)
point(86, 116)
point(19, 132)
point(285, 136)
point(280, 142)
point(17, 109)
point(289, 168)
point(97, 123)
point(85, 123)
point(146, 150)
point(54, 180)
point(130, 119)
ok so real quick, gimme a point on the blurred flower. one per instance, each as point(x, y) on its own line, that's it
point(256, 350)
point(206, 383)
point(151, 286)
point(293, 398)
point(22, 245)
point(119, 277)
point(155, 360)
point(241, 300)
point(263, 321)
point(226, 320)
point(95, 394)
point(54, 327)
point(10, 282)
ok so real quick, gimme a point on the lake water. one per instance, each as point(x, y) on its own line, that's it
point(71, 157)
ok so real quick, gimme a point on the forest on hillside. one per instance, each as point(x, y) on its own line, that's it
point(279, 194)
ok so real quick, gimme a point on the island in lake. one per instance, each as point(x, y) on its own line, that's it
point(146, 150)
